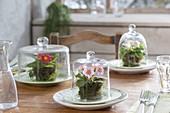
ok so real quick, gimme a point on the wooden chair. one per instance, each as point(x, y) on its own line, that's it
point(86, 35)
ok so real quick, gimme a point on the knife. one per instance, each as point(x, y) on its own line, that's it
point(152, 103)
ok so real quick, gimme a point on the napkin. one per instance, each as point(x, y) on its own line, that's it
point(14, 61)
point(162, 105)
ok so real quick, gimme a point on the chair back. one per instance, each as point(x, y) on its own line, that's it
point(94, 36)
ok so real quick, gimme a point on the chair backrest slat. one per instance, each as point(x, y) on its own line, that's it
point(87, 35)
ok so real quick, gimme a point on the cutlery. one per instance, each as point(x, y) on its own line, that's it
point(144, 97)
point(152, 103)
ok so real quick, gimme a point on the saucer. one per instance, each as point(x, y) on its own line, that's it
point(58, 97)
point(143, 68)
point(24, 78)
point(114, 94)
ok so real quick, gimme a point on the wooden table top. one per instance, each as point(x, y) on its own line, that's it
point(38, 99)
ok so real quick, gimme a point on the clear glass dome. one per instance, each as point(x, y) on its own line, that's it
point(91, 80)
point(44, 62)
point(132, 48)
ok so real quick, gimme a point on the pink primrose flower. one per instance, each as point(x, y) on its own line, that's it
point(95, 66)
point(81, 67)
point(99, 70)
point(88, 71)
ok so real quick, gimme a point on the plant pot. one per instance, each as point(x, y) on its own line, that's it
point(45, 73)
point(91, 90)
point(131, 60)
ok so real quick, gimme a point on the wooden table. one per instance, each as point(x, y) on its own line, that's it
point(36, 99)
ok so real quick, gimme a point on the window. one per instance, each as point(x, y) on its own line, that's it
point(130, 6)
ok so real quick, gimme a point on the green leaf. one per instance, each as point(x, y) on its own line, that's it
point(50, 66)
point(78, 75)
point(33, 64)
point(142, 46)
point(31, 74)
point(80, 83)
point(55, 58)
point(58, 65)
point(53, 76)
point(98, 79)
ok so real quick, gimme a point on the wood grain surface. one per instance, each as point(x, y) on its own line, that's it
point(38, 99)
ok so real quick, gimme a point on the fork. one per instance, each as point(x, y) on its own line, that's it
point(144, 97)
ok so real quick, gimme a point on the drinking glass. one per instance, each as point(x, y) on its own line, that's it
point(98, 6)
point(117, 7)
point(163, 67)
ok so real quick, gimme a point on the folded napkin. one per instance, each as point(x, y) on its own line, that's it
point(162, 105)
point(14, 61)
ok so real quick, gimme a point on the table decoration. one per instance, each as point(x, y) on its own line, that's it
point(43, 62)
point(132, 48)
point(90, 78)
point(46, 68)
point(117, 96)
point(88, 84)
point(132, 52)
point(114, 94)
point(117, 66)
point(24, 78)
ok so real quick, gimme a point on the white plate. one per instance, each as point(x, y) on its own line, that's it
point(24, 78)
point(132, 70)
point(114, 94)
point(58, 97)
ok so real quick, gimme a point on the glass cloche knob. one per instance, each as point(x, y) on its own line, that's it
point(90, 55)
point(42, 41)
point(132, 28)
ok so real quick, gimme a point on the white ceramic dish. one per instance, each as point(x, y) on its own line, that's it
point(132, 70)
point(114, 94)
point(24, 78)
point(58, 97)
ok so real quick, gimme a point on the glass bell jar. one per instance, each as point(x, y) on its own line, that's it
point(44, 62)
point(91, 80)
point(132, 48)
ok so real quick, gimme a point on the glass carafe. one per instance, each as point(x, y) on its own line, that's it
point(8, 90)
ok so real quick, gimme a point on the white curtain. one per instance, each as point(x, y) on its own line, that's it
point(15, 23)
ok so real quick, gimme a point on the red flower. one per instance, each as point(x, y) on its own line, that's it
point(45, 58)
point(39, 56)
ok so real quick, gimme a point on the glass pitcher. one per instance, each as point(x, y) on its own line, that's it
point(8, 90)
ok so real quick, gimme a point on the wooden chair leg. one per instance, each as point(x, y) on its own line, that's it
point(116, 41)
point(54, 38)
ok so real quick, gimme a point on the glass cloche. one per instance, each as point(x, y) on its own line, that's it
point(91, 80)
point(44, 62)
point(132, 48)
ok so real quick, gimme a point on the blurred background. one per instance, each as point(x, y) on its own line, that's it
point(22, 21)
